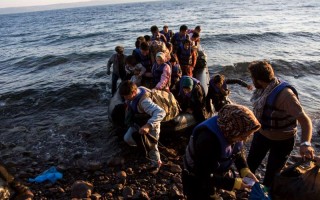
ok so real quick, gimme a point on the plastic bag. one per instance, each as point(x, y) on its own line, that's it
point(51, 175)
point(258, 192)
point(295, 185)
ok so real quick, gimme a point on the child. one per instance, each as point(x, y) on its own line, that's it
point(136, 77)
point(132, 66)
point(161, 73)
point(218, 91)
point(176, 73)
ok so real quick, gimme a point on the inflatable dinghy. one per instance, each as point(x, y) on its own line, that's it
point(116, 109)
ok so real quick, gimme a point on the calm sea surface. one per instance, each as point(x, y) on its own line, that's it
point(54, 88)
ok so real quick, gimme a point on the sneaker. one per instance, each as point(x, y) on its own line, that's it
point(154, 170)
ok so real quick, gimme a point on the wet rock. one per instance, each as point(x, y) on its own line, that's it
point(166, 173)
point(81, 189)
point(116, 162)
point(94, 165)
point(129, 171)
point(141, 195)
point(175, 168)
point(96, 196)
point(118, 186)
point(127, 192)
point(57, 190)
point(109, 195)
point(175, 192)
point(121, 177)
point(176, 179)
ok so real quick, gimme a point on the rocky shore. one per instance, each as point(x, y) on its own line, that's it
point(125, 176)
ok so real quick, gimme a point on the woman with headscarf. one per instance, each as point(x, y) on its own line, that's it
point(214, 146)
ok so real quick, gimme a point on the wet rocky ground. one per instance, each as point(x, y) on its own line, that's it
point(94, 161)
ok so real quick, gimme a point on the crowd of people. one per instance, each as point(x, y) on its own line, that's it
point(165, 61)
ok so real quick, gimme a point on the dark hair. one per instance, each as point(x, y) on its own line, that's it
point(261, 70)
point(195, 35)
point(165, 26)
point(131, 60)
point(154, 29)
point(169, 44)
point(137, 43)
point(147, 38)
point(218, 78)
point(173, 58)
point(198, 28)
point(183, 28)
point(186, 41)
point(144, 46)
point(127, 88)
point(141, 38)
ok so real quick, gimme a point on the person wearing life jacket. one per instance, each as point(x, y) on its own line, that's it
point(214, 146)
point(139, 102)
point(218, 91)
point(187, 57)
point(137, 44)
point(161, 73)
point(277, 107)
point(176, 73)
point(167, 33)
point(157, 35)
point(143, 57)
point(179, 37)
point(191, 97)
point(117, 61)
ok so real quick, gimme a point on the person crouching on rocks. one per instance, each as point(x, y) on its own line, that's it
point(139, 102)
point(214, 146)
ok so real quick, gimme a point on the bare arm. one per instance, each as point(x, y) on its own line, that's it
point(306, 134)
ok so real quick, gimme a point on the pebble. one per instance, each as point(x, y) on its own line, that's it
point(81, 189)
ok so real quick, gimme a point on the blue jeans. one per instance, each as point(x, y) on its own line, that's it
point(279, 152)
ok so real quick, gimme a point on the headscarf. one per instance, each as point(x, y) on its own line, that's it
point(236, 120)
point(187, 82)
point(161, 55)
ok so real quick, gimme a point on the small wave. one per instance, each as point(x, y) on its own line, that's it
point(33, 100)
point(47, 61)
point(59, 39)
point(269, 36)
point(288, 68)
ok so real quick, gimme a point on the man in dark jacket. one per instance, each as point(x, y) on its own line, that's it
point(214, 146)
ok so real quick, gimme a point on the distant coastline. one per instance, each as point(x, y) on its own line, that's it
point(15, 10)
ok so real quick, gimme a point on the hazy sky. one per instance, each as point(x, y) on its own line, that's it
point(23, 3)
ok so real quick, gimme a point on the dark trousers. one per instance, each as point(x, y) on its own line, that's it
point(195, 188)
point(115, 78)
point(279, 151)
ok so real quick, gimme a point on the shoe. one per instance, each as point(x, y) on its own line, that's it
point(154, 170)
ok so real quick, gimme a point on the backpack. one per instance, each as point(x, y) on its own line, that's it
point(166, 101)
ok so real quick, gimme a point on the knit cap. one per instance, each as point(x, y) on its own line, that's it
point(161, 55)
point(237, 120)
point(187, 82)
